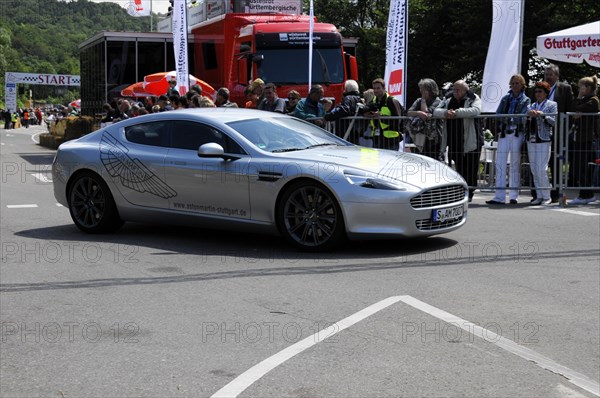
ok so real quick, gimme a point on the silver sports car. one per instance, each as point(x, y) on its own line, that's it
point(253, 170)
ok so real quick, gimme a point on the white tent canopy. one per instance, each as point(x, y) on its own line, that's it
point(574, 45)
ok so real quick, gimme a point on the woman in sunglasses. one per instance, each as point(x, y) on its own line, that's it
point(539, 138)
point(291, 102)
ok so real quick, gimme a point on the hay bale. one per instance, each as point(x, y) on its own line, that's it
point(73, 127)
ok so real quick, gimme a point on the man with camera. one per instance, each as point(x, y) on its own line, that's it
point(385, 131)
point(351, 105)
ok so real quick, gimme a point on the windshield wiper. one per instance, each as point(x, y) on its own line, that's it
point(286, 150)
point(316, 145)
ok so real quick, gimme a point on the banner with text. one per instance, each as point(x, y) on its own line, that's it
point(504, 52)
point(396, 44)
point(11, 80)
point(180, 45)
point(280, 6)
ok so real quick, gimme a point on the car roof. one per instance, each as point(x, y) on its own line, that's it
point(225, 115)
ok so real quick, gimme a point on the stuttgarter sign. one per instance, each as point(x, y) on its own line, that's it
point(571, 44)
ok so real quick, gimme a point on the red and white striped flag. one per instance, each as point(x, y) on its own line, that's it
point(139, 8)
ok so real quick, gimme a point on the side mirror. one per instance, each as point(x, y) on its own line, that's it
point(214, 150)
point(351, 66)
point(257, 59)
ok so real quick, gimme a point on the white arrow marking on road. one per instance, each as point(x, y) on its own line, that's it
point(574, 377)
point(246, 379)
point(20, 206)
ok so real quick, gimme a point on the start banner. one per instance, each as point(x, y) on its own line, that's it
point(11, 79)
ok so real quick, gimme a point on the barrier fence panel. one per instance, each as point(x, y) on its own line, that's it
point(506, 161)
point(504, 158)
point(580, 149)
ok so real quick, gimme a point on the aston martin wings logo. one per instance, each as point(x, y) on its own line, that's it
point(132, 173)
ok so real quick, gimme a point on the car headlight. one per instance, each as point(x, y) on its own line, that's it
point(374, 182)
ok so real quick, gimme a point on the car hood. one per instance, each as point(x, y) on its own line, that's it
point(417, 170)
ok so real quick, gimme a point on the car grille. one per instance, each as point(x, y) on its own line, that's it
point(428, 224)
point(439, 196)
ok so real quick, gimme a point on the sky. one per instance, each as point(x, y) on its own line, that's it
point(158, 6)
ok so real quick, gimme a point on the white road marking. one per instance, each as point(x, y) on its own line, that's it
point(59, 205)
point(246, 379)
point(574, 377)
point(41, 177)
point(563, 210)
point(249, 377)
point(20, 206)
point(35, 135)
point(564, 391)
point(578, 212)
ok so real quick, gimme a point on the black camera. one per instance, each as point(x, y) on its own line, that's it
point(366, 108)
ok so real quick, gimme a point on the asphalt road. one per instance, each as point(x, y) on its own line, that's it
point(509, 305)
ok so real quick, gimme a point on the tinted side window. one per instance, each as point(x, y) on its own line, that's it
point(154, 133)
point(191, 135)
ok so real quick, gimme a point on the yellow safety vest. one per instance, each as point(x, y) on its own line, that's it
point(384, 111)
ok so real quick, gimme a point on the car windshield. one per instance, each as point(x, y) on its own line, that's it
point(284, 134)
point(282, 66)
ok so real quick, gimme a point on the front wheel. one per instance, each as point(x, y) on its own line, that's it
point(92, 206)
point(310, 217)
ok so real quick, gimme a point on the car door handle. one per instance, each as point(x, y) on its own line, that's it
point(179, 163)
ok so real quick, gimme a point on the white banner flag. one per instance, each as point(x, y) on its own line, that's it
point(139, 8)
point(395, 50)
point(504, 52)
point(180, 46)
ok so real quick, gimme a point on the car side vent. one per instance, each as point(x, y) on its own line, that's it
point(268, 176)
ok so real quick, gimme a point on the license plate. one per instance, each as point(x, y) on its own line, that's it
point(450, 213)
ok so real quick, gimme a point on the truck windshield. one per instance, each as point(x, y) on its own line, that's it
point(289, 66)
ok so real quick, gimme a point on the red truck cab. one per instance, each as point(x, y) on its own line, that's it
point(235, 48)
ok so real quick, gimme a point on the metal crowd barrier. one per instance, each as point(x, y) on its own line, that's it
point(579, 149)
point(359, 130)
point(492, 129)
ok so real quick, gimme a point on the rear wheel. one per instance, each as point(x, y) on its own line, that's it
point(310, 217)
point(92, 206)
